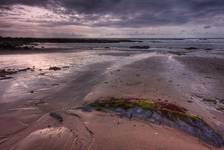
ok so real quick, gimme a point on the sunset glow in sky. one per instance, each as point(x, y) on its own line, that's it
point(112, 18)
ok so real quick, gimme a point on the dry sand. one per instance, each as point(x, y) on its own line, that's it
point(26, 100)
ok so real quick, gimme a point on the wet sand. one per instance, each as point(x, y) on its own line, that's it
point(195, 83)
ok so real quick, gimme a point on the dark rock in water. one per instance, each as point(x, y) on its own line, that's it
point(55, 68)
point(221, 101)
point(65, 67)
point(87, 108)
point(191, 48)
point(56, 116)
point(39, 102)
point(220, 108)
point(139, 47)
point(42, 74)
point(177, 53)
point(160, 113)
point(208, 49)
point(32, 91)
point(210, 100)
point(25, 69)
point(5, 78)
point(5, 72)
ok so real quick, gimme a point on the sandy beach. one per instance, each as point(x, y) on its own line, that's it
point(111, 75)
point(38, 106)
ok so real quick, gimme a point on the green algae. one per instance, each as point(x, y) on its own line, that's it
point(175, 115)
point(123, 103)
point(171, 111)
point(144, 104)
point(159, 112)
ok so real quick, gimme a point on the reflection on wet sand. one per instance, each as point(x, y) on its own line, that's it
point(62, 82)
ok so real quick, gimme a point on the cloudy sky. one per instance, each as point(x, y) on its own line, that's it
point(112, 18)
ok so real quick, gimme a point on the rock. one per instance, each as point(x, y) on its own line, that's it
point(138, 75)
point(42, 74)
point(139, 47)
point(65, 67)
point(5, 78)
point(177, 53)
point(25, 69)
point(56, 116)
point(220, 108)
point(39, 102)
point(191, 48)
point(161, 113)
point(221, 100)
point(208, 49)
point(210, 100)
point(55, 68)
point(5, 72)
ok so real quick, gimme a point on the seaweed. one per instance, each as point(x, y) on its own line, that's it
point(123, 103)
point(169, 106)
point(161, 113)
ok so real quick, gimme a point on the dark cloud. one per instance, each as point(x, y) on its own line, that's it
point(132, 13)
point(25, 2)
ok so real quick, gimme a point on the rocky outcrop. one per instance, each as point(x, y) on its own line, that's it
point(160, 113)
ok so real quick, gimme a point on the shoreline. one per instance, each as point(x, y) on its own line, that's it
point(93, 74)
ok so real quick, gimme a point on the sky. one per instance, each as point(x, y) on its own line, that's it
point(112, 18)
